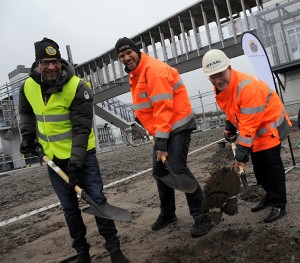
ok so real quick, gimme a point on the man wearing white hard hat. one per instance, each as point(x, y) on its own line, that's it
point(256, 111)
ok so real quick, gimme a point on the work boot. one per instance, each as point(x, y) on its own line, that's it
point(202, 225)
point(163, 221)
point(118, 257)
point(83, 258)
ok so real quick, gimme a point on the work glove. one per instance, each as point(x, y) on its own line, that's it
point(28, 144)
point(73, 174)
point(242, 154)
point(230, 132)
point(161, 144)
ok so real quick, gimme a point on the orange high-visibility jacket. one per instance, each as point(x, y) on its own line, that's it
point(256, 110)
point(160, 98)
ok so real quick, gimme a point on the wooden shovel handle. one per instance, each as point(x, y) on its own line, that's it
point(61, 173)
point(240, 168)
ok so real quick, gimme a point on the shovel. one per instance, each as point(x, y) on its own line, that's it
point(240, 169)
point(180, 182)
point(100, 210)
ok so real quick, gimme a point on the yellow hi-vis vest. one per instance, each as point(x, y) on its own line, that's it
point(53, 119)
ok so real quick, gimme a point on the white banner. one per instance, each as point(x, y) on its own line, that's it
point(255, 51)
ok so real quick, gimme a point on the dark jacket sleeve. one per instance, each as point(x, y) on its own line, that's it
point(82, 122)
point(27, 116)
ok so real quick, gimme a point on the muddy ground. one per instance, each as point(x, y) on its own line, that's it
point(43, 237)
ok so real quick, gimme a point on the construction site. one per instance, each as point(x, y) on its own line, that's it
point(31, 220)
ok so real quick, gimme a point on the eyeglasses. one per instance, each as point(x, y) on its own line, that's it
point(218, 75)
point(54, 62)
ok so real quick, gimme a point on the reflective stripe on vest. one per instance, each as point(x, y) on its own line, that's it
point(53, 120)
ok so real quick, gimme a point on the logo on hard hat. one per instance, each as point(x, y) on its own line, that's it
point(51, 51)
point(253, 46)
point(213, 63)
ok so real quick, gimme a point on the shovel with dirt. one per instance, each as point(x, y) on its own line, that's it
point(220, 193)
point(221, 189)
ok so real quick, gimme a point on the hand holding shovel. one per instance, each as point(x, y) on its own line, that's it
point(100, 210)
point(240, 168)
point(180, 182)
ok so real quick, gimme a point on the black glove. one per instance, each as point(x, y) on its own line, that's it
point(242, 154)
point(28, 144)
point(73, 174)
point(231, 135)
point(161, 144)
point(137, 121)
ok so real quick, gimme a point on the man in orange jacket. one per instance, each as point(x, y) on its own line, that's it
point(257, 112)
point(162, 106)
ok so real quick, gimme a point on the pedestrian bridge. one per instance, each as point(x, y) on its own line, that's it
point(182, 39)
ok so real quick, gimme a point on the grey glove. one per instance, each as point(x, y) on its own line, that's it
point(242, 154)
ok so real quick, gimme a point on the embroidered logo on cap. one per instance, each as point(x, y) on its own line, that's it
point(124, 47)
point(51, 51)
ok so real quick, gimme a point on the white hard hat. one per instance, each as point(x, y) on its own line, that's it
point(214, 61)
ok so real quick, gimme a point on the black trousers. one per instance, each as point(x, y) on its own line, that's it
point(269, 172)
point(178, 147)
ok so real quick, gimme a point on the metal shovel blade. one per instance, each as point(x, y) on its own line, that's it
point(180, 182)
point(101, 210)
point(109, 212)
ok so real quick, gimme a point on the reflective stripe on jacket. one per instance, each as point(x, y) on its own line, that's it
point(256, 110)
point(160, 98)
point(53, 119)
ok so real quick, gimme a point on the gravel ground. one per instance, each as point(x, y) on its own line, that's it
point(43, 237)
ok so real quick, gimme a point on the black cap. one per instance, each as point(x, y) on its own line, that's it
point(126, 43)
point(46, 48)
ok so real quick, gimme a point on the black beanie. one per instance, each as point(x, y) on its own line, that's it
point(126, 43)
point(46, 48)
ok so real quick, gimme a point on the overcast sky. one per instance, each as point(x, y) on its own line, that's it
point(90, 27)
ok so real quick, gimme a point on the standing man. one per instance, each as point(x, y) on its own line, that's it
point(256, 111)
point(162, 106)
point(59, 106)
